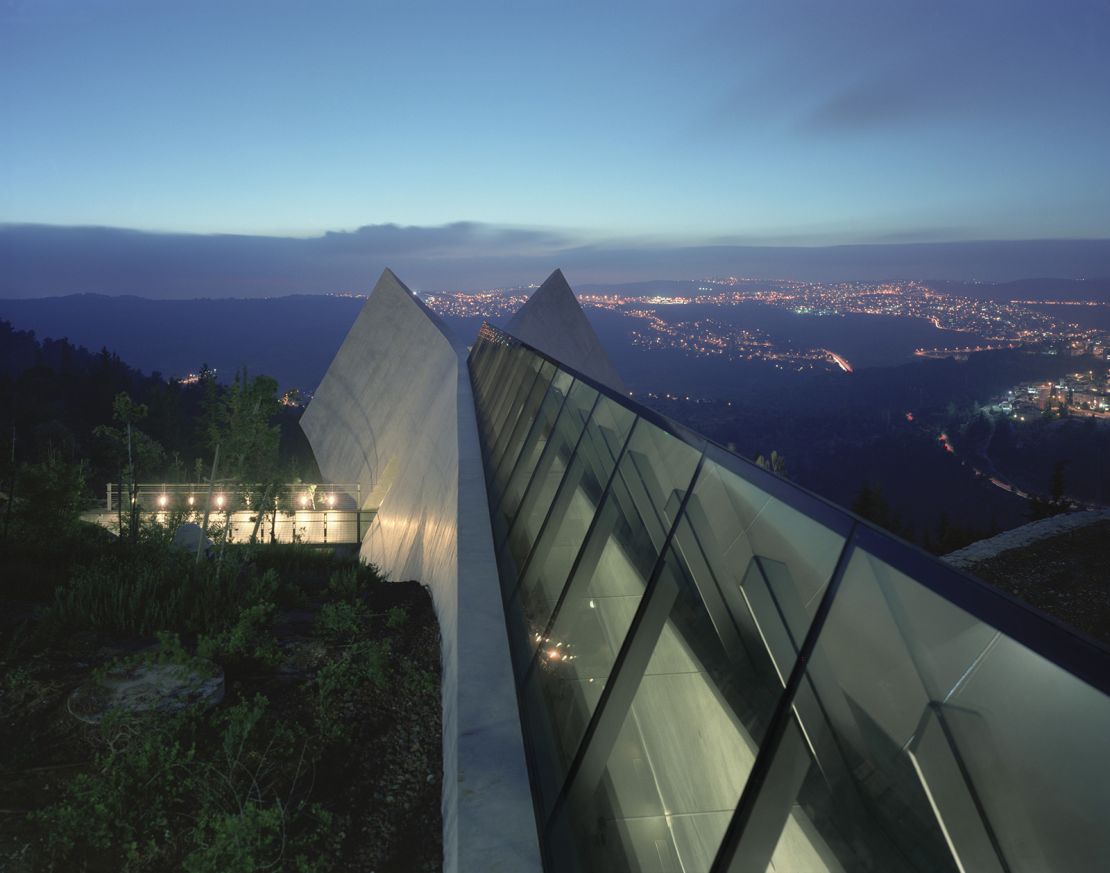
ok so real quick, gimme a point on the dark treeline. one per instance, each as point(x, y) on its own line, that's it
point(60, 402)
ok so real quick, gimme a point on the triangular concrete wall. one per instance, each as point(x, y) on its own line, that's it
point(552, 321)
point(395, 413)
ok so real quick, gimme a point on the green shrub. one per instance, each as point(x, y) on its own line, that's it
point(340, 683)
point(345, 582)
point(340, 622)
point(142, 589)
point(222, 792)
point(243, 819)
point(132, 803)
point(49, 496)
point(396, 617)
point(248, 640)
point(239, 842)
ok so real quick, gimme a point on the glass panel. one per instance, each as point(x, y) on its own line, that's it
point(872, 707)
point(532, 430)
point(684, 751)
point(920, 738)
point(519, 417)
point(754, 686)
point(497, 378)
point(571, 512)
point(612, 570)
point(1033, 739)
point(546, 454)
point(483, 361)
point(518, 372)
point(771, 562)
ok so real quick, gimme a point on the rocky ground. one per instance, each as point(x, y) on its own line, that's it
point(1065, 574)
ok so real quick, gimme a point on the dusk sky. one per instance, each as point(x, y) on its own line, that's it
point(544, 130)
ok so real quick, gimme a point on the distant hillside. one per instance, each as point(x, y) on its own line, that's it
point(53, 394)
point(1031, 289)
point(292, 339)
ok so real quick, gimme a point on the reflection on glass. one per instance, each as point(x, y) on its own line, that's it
point(569, 514)
point(918, 737)
point(513, 477)
point(873, 707)
point(684, 750)
point(507, 440)
point(608, 580)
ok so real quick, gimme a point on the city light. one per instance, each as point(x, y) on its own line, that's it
point(991, 324)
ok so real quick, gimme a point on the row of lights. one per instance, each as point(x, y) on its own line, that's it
point(164, 500)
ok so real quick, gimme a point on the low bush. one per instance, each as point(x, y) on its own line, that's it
point(341, 682)
point(340, 621)
point(141, 589)
point(225, 792)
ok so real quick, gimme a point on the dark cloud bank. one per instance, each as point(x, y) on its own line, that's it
point(40, 260)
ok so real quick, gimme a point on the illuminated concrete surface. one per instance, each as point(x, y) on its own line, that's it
point(553, 321)
point(394, 413)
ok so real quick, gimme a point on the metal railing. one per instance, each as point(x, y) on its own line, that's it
point(313, 513)
point(162, 496)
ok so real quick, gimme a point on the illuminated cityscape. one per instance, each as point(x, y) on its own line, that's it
point(989, 324)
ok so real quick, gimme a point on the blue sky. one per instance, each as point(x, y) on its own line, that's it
point(642, 124)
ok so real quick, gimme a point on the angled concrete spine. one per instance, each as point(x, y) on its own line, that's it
point(394, 413)
point(552, 321)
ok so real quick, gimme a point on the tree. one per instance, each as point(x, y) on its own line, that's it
point(132, 449)
point(238, 422)
point(1056, 484)
point(776, 463)
point(871, 505)
point(50, 498)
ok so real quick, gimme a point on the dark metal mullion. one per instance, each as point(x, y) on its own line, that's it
point(507, 430)
point(537, 427)
point(482, 444)
point(624, 677)
point(780, 721)
point(503, 406)
point(550, 447)
point(833, 766)
point(647, 482)
point(522, 423)
point(582, 549)
point(724, 622)
point(478, 362)
point(555, 500)
point(938, 711)
point(776, 601)
point(497, 362)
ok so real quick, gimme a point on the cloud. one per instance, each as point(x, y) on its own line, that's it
point(865, 105)
point(42, 260)
point(460, 237)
